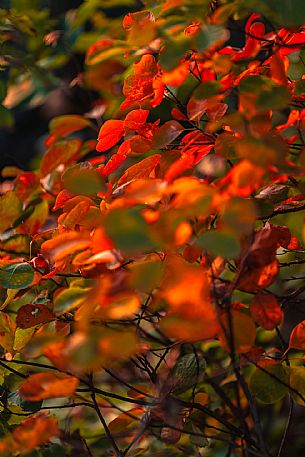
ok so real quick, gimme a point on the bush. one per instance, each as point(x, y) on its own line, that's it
point(151, 267)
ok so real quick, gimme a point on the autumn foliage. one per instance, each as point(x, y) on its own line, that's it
point(152, 270)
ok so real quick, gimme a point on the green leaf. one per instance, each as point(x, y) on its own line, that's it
point(188, 371)
point(220, 243)
point(299, 87)
point(269, 94)
point(22, 337)
point(174, 51)
point(83, 181)
point(16, 275)
point(3, 90)
point(54, 450)
point(297, 382)
point(287, 13)
point(129, 231)
point(208, 35)
point(6, 117)
point(206, 90)
point(200, 441)
point(69, 299)
point(269, 389)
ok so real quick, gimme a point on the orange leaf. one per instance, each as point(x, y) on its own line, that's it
point(40, 386)
point(65, 244)
point(33, 432)
point(297, 337)
point(146, 66)
point(266, 311)
point(31, 315)
point(69, 123)
point(140, 170)
point(63, 196)
point(60, 152)
point(7, 332)
point(187, 304)
point(110, 134)
point(258, 277)
point(277, 69)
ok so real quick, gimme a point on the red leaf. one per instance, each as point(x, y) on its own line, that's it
point(266, 311)
point(136, 118)
point(110, 134)
point(297, 337)
point(31, 315)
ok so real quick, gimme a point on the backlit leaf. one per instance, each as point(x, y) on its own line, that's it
point(32, 432)
point(126, 420)
point(40, 386)
point(65, 244)
point(110, 133)
point(297, 337)
point(7, 332)
point(140, 170)
point(62, 151)
point(266, 311)
point(69, 123)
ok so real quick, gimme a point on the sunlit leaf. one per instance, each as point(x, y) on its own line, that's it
point(65, 244)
